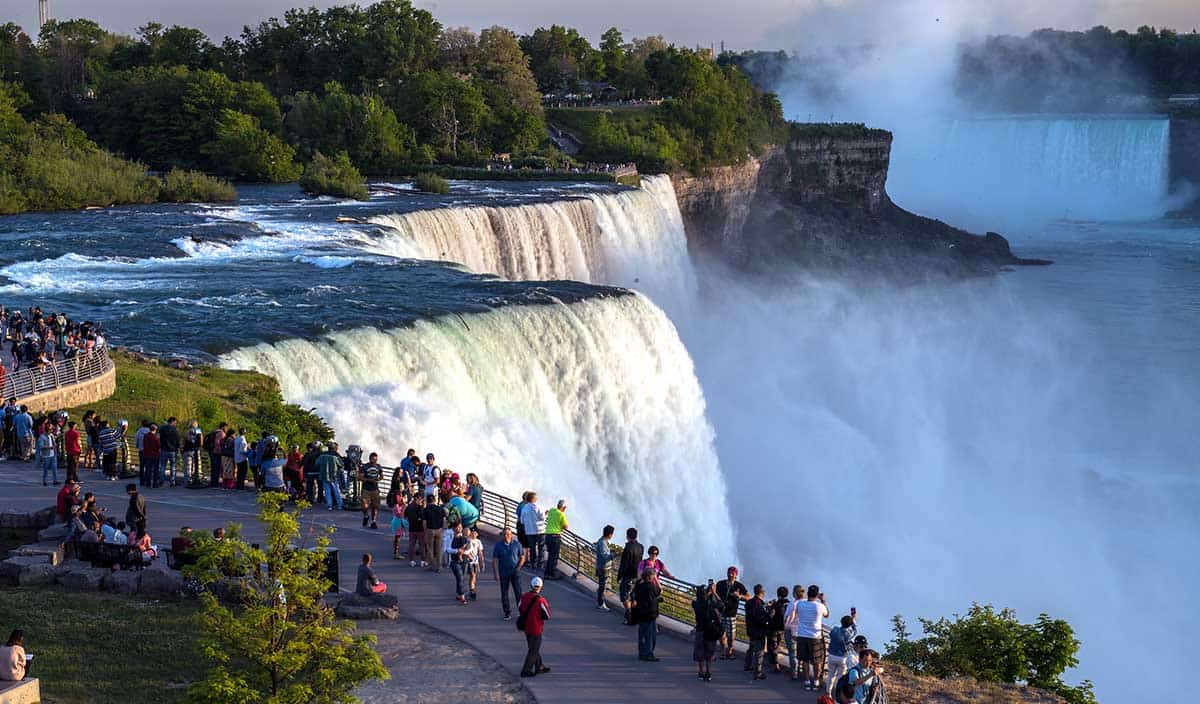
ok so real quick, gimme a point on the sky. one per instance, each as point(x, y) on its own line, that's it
point(746, 24)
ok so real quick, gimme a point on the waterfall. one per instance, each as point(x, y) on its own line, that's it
point(1006, 172)
point(594, 401)
point(632, 238)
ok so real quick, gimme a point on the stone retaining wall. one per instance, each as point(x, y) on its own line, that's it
point(70, 396)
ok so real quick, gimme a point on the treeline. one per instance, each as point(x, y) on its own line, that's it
point(386, 85)
point(1096, 70)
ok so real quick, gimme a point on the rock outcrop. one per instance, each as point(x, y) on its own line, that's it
point(821, 201)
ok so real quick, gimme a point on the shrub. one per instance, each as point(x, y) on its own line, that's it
point(993, 646)
point(243, 150)
point(334, 176)
point(182, 186)
point(431, 183)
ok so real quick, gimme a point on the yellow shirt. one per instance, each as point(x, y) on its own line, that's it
point(556, 522)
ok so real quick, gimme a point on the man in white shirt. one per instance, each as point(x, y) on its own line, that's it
point(431, 474)
point(804, 621)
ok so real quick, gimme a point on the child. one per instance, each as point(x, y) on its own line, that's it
point(474, 560)
point(399, 524)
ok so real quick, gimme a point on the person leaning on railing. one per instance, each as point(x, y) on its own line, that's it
point(604, 555)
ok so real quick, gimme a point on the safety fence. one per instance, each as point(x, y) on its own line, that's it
point(30, 381)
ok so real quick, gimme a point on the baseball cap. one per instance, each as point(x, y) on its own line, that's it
point(535, 582)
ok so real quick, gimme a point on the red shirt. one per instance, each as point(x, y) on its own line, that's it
point(71, 442)
point(151, 448)
point(535, 620)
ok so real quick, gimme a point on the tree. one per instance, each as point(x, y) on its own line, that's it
point(612, 51)
point(457, 50)
point(362, 126)
point(335, 176)
point(993, 646)
point(243, 150)
point(560, 58)
point(281, 644)
point(447, 113)
point(510, 91)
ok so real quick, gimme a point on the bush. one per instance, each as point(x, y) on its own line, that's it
point(182, 186)
point(243, 150)
point(431, 183)
point(993, 646)
point(334, 176)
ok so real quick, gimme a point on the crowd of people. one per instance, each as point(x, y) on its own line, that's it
point(36, 339)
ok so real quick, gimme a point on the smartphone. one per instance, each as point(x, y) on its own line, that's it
point(710, 582)
point(853, 611)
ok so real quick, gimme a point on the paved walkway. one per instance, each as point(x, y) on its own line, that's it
point(593, 656)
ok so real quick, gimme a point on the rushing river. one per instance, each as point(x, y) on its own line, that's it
point(1026, 440)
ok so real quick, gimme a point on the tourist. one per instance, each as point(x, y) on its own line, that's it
point(521, 537)
point(91, 516)
point(113, 532)
point(270, 465)
point(462, 510)
point(840, 643)
point(865, 677)
point(448, 550)
point(329, 468)
point(399, 523)
point(66, 499)
point(415, 514)
point(475, 492)
point(435, 525)
point(73, 448)
point(758, 627)
point(730, 591)
point(778, 608)
point(47, 457)
point(13, 661)
point(604, 555)
point(241, 459)
point(314, 490)
point(627, 572)
point(151, 456)
point(556, 523)
point(474, 561)
point(23, 432)
point(214, 441)
point(431, 476)
point(370, 474)
point(228, 451)
point(646, 596)
point(534, 520)
point(135, 515)
point(507, 559)
point(654, 564)
point(706, 609)
point(169, 442)
point(368, 583)
point(804, 620)
point(193, 445)
point(533, 612)
point(141, 541)
point(143, 474)
point(459, 545)
point(293, 472)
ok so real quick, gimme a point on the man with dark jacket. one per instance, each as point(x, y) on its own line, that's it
point(435, 523)
point(169, 443)
point(627, 569)
point(758, 627)
point(135, 515)
point(646, 594)
point(314, 492)
point(532, 614)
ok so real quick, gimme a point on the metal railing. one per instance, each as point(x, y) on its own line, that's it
point(26, 382)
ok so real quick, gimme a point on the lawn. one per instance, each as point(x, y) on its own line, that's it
point(92, 648)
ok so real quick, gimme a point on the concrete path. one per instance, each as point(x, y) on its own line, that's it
point(593, 657)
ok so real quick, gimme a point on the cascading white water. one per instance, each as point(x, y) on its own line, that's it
point(632, 238)
point(595, 401)
point(1008, 172)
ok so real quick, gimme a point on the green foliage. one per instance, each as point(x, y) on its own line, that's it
point(335, 176)
point(993, 646)
point(245, 151)
point(431, 183)
point(182, 186)
point(281, 644)
point(561, 58)
point(362, 126)
point(447, 112)
point(834, 130)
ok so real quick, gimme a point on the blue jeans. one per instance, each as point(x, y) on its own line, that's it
point(460, 577)
point(49, 464)
point(647, 637)
point(169, 459)
point(332, 495)
point(601, 583)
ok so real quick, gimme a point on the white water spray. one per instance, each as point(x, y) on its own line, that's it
point(595, 401)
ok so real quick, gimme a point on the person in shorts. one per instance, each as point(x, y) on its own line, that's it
point(370, 474)
point(730, 591)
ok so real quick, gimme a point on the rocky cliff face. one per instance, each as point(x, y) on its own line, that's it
point(821, 201)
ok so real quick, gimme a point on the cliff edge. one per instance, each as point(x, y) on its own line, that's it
point(820, 201)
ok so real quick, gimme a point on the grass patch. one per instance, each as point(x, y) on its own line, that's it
point(105, 647)
point(431, 183)
point(208, 394)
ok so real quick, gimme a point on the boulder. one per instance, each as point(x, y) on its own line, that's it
point(85, 580)
point(43, 518)
point(38, 575)
point(36, 520)
point(50, 552)
point(160, 583)
point(122, 581)
point(11, 569)
point(57, 532)
point(379, 606)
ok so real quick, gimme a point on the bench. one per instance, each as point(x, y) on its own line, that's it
point(107, 554)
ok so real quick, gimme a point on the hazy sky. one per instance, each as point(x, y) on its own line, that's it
point(741, 24)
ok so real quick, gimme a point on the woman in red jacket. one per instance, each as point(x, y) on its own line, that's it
point(73, 449)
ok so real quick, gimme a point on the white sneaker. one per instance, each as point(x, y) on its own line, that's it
point(602, 607)
point(424, 563)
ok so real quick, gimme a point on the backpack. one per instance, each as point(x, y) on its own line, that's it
point(523, 614)
point(453, 517)
point(208, 442)
point(713, 626)
point(844, 680)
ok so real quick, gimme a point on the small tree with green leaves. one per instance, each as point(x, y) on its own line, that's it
point(279, 642)
point(993, 646)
